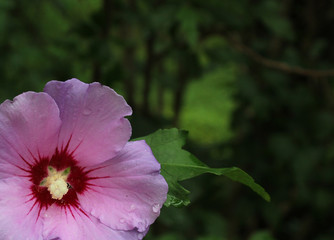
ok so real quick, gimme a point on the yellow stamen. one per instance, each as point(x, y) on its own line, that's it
point(56, 182)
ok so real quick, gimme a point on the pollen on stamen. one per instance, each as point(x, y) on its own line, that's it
point(58, 189)
point(56, 182)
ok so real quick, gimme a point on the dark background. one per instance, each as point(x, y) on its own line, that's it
point(249, 79)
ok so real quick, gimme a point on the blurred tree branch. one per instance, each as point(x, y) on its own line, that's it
point(233, 40)
point(281, 66)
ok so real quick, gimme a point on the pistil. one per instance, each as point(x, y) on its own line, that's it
point(56, 182)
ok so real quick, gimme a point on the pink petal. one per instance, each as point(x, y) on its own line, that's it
point(18, 218)
point(127, 191)
point(73, 224)
point(29, 128)
point(92, 119)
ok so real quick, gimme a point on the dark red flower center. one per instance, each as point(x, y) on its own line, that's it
point(77, 180)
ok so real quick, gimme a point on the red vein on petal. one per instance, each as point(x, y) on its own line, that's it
point(39, 212)
point(67, 144)
point(65, 210)
point(35, 159)
point(82, 211)
point(69, 208)
point(30, 198)
point(24, 176)
point(95, 185)
point(94, 178)
point(23, 169)
point(39, 154)
point(97, 168)
point(24, 160)
point(10, 144)
point(32, 207)
point(76, 148)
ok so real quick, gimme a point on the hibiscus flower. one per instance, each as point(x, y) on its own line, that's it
point(68, 170)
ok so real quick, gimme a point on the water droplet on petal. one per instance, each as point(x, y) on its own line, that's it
point(87, 111)
point(140, 236)
point(132, 207)
point(122, 220)
point(156, 208)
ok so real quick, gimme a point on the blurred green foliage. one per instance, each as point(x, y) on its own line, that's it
point(195, 64)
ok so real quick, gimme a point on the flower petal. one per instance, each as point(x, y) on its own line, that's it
point(29, 128)
point(72, 224)
point(93, 120)
point(18, 218)
point(128, 191)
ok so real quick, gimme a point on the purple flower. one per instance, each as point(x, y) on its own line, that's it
point(67, 170)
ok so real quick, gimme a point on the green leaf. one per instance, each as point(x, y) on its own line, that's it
point(178, 164)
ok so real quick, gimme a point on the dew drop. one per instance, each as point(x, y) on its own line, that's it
point(132, 207)
point(140, 236)
point(87, 111)
point(156, 208)
point(122, 220)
